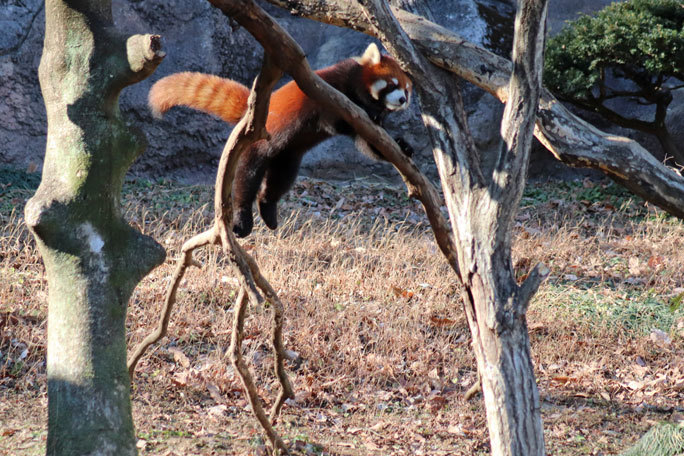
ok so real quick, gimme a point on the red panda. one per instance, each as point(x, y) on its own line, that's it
point(296, 123)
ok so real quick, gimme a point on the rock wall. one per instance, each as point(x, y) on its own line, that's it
point(185, 144)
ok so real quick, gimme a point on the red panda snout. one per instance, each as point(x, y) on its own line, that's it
point(397, 99)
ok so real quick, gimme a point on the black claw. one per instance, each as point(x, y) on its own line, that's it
point(269, 214)
point(243, 223)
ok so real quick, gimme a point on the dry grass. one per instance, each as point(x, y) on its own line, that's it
point(374, 316)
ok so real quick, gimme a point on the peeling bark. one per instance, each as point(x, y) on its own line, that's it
point(93, 258)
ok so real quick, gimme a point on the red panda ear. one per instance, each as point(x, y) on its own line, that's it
point(371, 56)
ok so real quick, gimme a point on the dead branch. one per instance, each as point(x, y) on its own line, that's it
point(289, 56)
point(572, 140)
point(250, 129)
point(243, 371)
point(185, 260)
point(276, 338)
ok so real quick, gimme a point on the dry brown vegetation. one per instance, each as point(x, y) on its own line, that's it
point(379, 346)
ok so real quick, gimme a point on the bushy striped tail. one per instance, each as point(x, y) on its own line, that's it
point(222, 97)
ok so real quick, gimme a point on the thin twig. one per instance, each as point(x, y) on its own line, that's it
point(245, 376)
point(185, 259)
point(250, 129)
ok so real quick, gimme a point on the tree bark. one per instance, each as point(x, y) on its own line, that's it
point(93, 258)
point(418, 7)
point(495, 305)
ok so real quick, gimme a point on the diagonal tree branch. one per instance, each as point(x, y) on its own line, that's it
point(251, 128)
point(290, 57)
point(572, 140)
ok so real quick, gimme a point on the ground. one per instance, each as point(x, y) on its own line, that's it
point(380, 347)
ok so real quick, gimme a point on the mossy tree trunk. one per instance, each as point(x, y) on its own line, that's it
point(93, 258)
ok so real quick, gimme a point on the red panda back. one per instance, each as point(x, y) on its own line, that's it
point(224, 98)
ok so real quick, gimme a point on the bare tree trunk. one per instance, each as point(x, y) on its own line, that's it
point(481, 208)
point(93, 258)
point(495, 305)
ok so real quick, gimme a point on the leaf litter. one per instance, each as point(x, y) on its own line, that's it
point(380, 349)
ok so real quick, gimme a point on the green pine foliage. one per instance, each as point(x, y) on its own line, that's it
point(642, 40)
point(665, 439)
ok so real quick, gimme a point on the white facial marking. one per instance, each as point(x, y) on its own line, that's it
point(396, 99)
point(376, 87)
point(395, 81)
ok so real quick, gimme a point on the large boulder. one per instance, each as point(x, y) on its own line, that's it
point(185, 144)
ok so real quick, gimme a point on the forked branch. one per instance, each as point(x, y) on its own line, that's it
point(250, 129)
point(289, 56)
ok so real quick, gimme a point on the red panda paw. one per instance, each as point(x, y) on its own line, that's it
point(242, 223)
point(269, 214)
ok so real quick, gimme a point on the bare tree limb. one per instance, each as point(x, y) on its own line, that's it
point(572, 140)
point(530, 286)
point(250, 129)
point(289, 56)
point(241, 368)
point(185, 260)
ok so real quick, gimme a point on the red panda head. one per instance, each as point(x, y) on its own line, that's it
point(384, 79)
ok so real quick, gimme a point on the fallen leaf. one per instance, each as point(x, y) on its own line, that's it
point(179, 357)
point(180, 378)
point(634, 385)
point(378, 426)
point(400, 292)
point(218, 410)
point(656, 261)
point(634, 266)
point(441, 322)
point(456, 429)
point(660, 338)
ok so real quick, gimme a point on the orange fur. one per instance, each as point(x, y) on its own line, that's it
point(222, 97)
point(296, 123)
point(287, 103)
